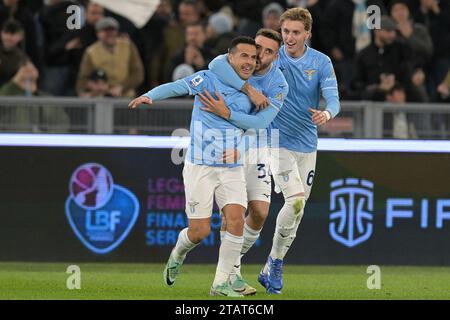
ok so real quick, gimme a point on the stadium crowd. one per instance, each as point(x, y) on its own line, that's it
point(408, 59)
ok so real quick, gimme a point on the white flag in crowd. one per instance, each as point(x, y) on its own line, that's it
point(137, 11)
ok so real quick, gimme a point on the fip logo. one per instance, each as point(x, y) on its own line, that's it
point(100, 213)
point(351, 211)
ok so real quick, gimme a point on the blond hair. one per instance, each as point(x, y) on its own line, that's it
point(298, 14)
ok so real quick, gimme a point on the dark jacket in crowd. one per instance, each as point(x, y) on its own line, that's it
point(25, 17)
point(439, 28)
point(9, 63)
point(372, 61)
point(338, 23)
point(55, 34)
point(178, 59)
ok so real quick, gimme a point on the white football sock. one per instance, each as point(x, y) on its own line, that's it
point(229, 251)
point(183, 246)
point(288, 220)
point(250, 237)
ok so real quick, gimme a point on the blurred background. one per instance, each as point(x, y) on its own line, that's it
point(57, 78)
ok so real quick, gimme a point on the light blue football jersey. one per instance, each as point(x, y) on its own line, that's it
point(273, 85)
point(307, 77)
point(211, 134)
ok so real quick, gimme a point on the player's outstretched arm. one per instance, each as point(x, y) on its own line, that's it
point(245, 121)
point(222, 68)
point(168, 90)
point(138, 101)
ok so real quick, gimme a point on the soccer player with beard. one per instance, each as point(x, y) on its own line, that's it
point(271, 81)
point(207, 173)
point(310, 75)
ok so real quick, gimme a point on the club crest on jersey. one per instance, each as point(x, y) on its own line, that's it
point(196, 81)
point(192, 205)
point(310, 73)
point(285, 175)
point(279, 97)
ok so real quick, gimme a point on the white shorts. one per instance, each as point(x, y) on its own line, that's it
point(257, 175)
point(202, 183)
point(293, 172)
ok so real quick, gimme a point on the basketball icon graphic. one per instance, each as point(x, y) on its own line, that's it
point(91, 186)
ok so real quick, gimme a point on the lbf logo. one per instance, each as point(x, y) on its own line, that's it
point(351, 211)
point(100, 213)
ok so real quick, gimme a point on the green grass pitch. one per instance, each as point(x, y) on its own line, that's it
point(145, 281)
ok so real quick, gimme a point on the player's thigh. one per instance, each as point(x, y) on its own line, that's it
point(285, 172)
point(199, 185)
point(258, 179)
point(307, 168)
point(231, 187)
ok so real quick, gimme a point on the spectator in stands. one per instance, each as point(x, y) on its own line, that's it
point(24, 83)
point(401, 127)
point(435, 15)
point(11, 55)
point(344, 33)
point(271, 16)
point(160, 69)
point(19, 11)
point(416, 34)
point(219, 32)
point(417, 37)
point(152, 35)
point(118, 57)
point(97, 85)
point(247, 15)
point(77, 41)
point(317, 9)
point(194, 54)
point(57, 47)
point(87, 35)
point(383, 63)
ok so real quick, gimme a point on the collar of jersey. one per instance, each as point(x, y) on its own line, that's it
point(299, 58)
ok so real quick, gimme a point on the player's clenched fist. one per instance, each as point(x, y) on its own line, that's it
point(319, 117)
point(140, 100)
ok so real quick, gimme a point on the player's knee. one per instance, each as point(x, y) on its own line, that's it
point(258, 214)
point(235, 224)
point(198, 233)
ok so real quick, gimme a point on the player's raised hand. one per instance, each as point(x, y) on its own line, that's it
point(139, 100)
point(319, 117)
point(214, 106)
point(257, 98)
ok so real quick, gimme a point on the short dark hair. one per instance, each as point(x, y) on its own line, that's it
point(271, 34)
point(238, 40)
point(12, 26)
point(394, 2)
point(192, 3)
point(396, 87)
